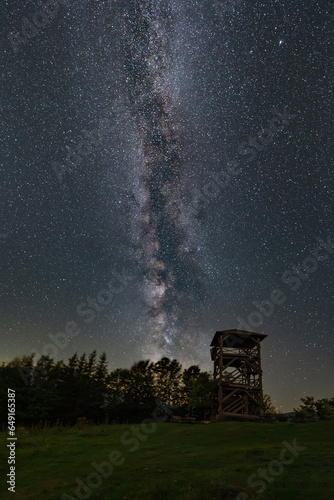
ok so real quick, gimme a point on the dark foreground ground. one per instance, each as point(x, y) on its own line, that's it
point(227, 460)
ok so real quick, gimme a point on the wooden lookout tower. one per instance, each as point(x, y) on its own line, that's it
point(236, 355)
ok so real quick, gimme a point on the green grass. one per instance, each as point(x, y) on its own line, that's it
point(176, 461)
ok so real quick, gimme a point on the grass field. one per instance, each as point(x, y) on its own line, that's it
point(175, 461)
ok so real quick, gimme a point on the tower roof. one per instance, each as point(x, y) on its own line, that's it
point(237, 338)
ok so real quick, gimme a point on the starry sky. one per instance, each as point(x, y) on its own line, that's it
point(166, 173)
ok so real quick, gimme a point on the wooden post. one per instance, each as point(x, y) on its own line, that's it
point(220, 386)
point(260, 377)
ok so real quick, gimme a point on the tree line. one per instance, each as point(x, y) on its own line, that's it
point(311, 409)
point(83, 388)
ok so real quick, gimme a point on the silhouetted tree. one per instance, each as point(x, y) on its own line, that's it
point(269, 409)
point(203, 394)
point(307, 410)
point(167, 376)
point(325, 408)
point(188, 376)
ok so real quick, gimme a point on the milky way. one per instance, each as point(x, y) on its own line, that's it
point(166, 250)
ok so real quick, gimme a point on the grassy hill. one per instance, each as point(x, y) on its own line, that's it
point(174, 461)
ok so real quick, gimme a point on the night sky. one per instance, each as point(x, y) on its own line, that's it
point(166, 172)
